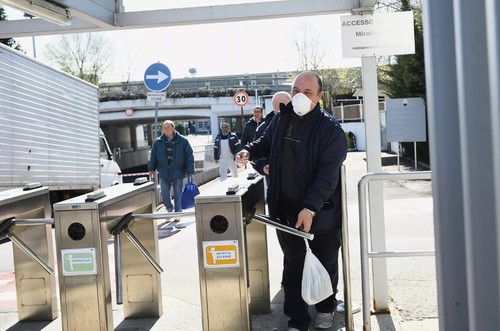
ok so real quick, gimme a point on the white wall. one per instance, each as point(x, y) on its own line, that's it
point(358, 128)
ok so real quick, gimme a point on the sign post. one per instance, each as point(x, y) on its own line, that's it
point(367, 36)
point(240, 98)
point(157, 78)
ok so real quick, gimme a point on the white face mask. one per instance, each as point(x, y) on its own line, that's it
point(301, 104)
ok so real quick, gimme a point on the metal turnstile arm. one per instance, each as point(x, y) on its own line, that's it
point(143, 250)
point(19, 243)
point(6, 230)
point(117, 243)
point(162, 216)
point(122, 226)
point(266, 220)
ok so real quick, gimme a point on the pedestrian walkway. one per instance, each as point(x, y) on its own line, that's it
point(412, 283)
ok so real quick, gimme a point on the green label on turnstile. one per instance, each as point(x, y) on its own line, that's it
point(77, 262)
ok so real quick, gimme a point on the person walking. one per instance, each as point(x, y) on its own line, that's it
point(226, 145)
point(172, 156)
point(306, 147)
point(251, 126)
point(282, 97)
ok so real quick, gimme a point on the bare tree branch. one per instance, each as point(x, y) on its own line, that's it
point(87, 56)
point(310, 50)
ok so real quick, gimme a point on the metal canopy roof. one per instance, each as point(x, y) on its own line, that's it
point(106, 15)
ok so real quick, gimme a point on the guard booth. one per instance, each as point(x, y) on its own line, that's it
point(84, 226)
point(232, 252)
point(25, 219)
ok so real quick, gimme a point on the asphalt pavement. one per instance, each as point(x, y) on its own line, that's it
point(411, 281)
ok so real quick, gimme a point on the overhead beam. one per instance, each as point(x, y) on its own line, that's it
point(100, 13)
point(88, 21)
point(233, 13)
point(39, 27)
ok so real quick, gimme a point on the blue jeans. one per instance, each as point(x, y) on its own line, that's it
point(165, 185)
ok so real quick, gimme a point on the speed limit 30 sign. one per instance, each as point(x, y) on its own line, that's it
point(240, 98)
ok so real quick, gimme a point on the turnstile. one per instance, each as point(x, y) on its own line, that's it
point(83, 228)
point(33, 250)
point(232, 252)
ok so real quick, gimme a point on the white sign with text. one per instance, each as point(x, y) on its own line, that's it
point(157, 96)
point(405, 120)
point(377, 34)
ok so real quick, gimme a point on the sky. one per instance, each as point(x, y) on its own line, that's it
point(212, 49)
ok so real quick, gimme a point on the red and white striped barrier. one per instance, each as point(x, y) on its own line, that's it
point(136, 174)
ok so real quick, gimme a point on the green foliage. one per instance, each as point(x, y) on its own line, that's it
point(339, 83)
point(406, 77)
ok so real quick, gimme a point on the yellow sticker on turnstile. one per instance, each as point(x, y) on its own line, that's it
point(221, 254)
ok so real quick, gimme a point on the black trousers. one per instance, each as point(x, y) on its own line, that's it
point(326, 248)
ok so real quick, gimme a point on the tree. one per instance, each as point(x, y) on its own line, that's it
point(8, 41)
point(310, 55)
point(87, 56)
point(405, 77)
point(339, 82)
point(310, 51)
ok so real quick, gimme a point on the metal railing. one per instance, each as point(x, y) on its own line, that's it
point(353, 112)
point(366, 253)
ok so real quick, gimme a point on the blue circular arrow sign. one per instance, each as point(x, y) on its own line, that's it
point(157, 77)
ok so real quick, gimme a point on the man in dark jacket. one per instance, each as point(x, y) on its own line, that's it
point(282, 97)
point(172, 156)
point(306, 147)
point(226, 145)
point(251, 126)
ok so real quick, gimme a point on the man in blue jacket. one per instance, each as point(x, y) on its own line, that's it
point(172, 156)
point(306, 147)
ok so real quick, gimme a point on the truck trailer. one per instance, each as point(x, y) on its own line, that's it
point(49, 130)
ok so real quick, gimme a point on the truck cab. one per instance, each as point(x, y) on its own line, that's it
point(111, 173)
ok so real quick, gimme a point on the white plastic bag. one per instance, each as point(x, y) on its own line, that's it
point(316, 282)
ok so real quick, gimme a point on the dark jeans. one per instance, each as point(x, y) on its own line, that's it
point(326, 248)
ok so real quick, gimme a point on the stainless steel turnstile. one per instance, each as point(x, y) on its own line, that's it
point(232, 251)
point(24, 218)
point(84, 226)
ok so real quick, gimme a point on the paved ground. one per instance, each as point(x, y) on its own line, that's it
point(412, 283)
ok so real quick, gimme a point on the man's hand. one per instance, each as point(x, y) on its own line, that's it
point(304, 220)
point(152, 174)
point(242, 157)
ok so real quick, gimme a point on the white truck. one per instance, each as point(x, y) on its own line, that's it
point(49, 130)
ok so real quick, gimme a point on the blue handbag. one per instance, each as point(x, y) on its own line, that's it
point(190, 191)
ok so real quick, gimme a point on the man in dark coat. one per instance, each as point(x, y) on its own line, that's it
point(306, 147)
point(282, 97)
point(251, 126)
